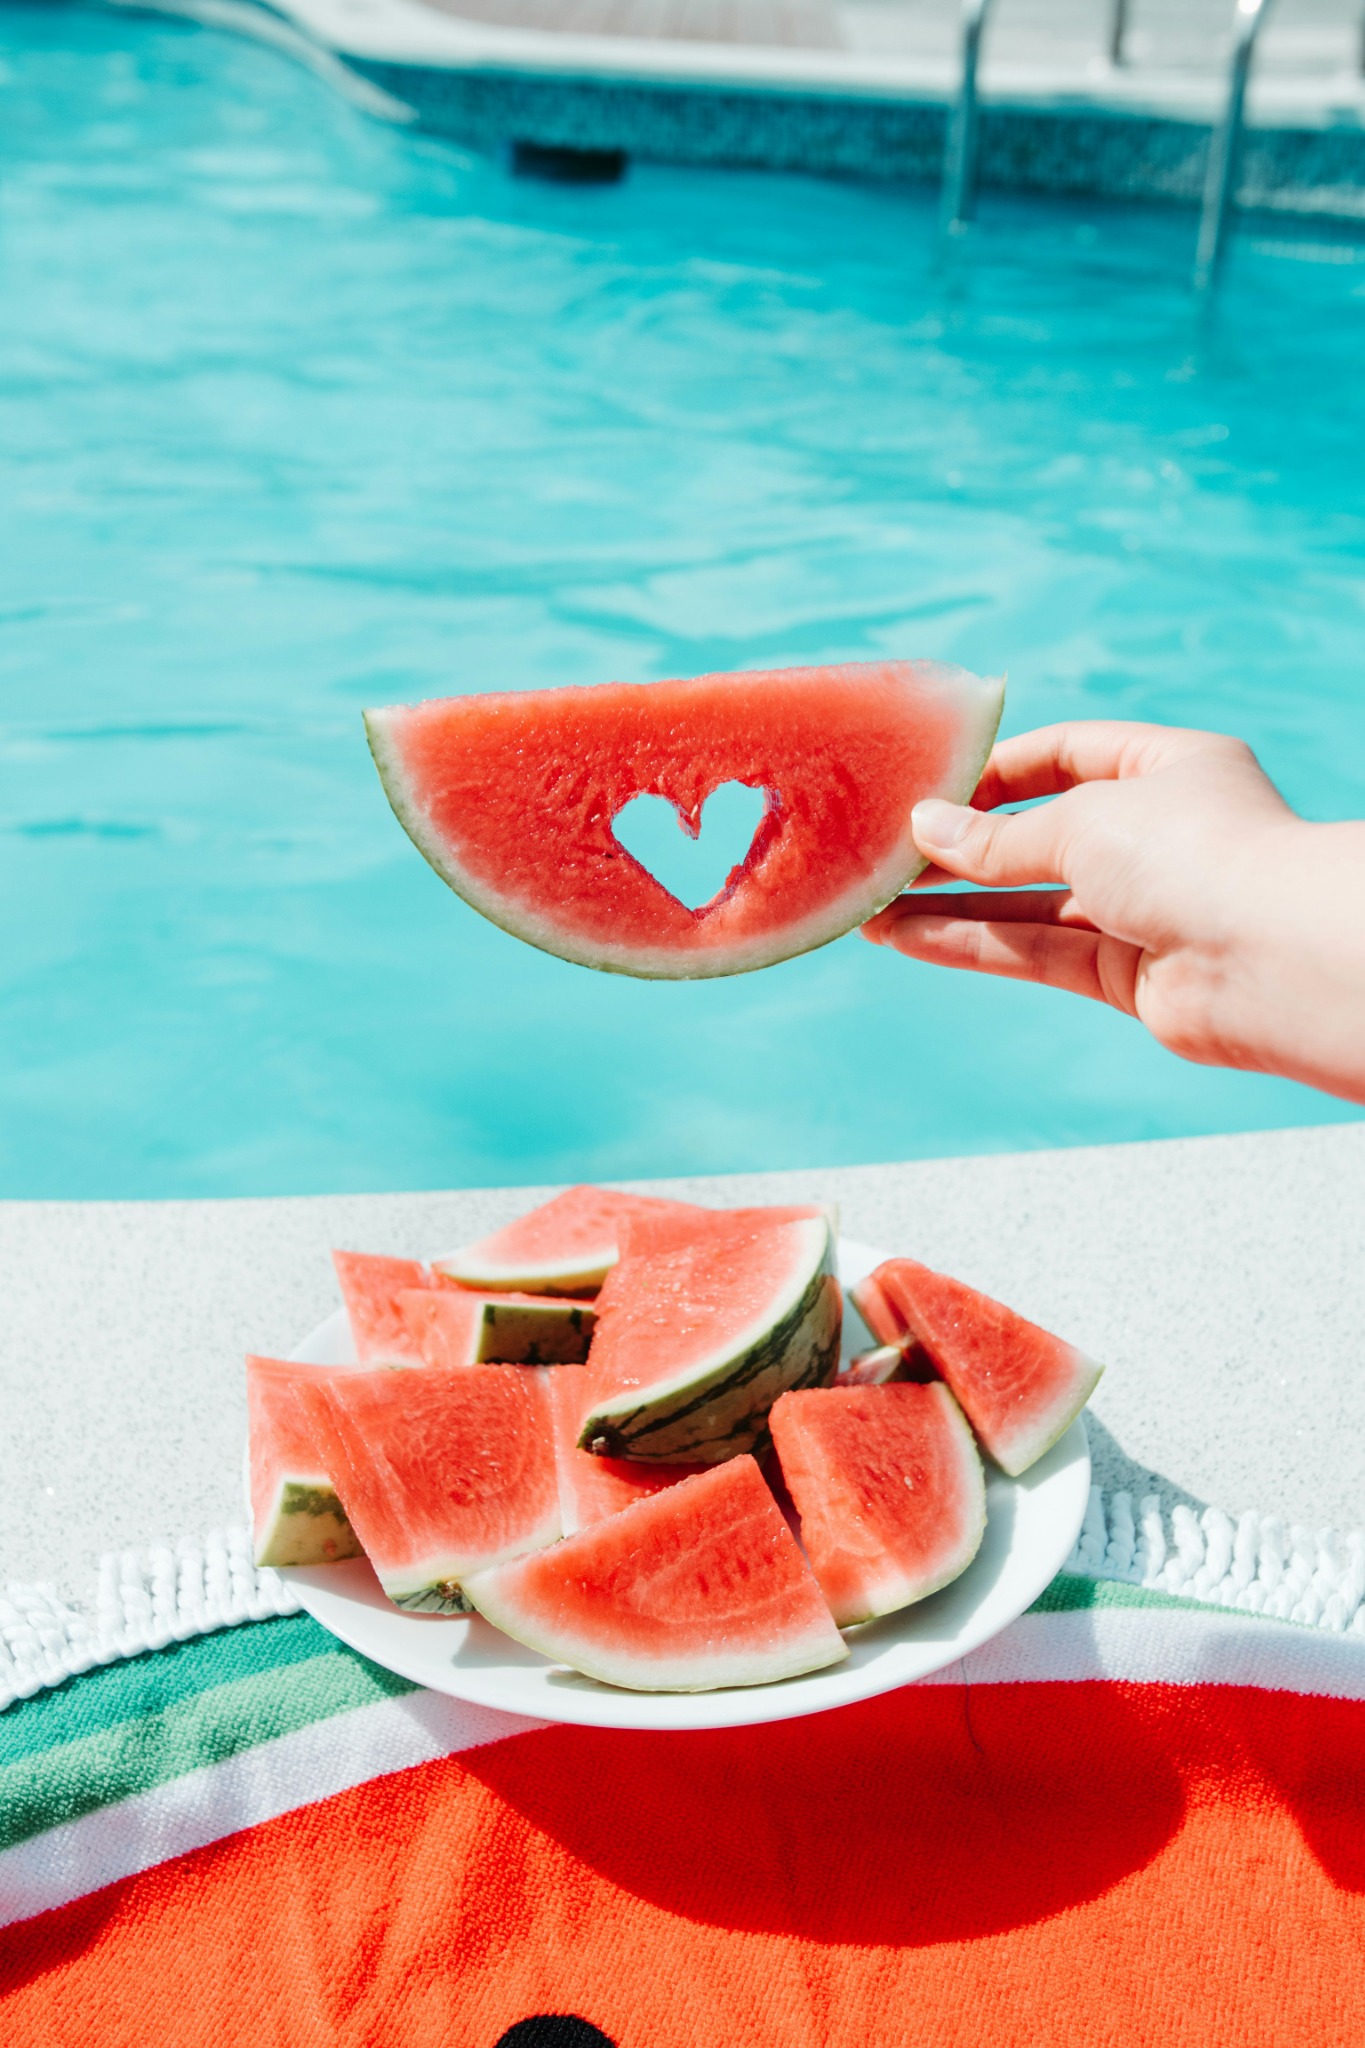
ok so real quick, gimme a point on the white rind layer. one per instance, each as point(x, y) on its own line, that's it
point(583, 1270)
point(706, 1672)
point(897, 1589)
point(407, 1583)
point(981, 700)
point(1026, 1446)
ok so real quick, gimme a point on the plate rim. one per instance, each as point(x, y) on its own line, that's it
point(591, 1703)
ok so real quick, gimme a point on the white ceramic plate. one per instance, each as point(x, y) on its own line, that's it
point(1031, 1526)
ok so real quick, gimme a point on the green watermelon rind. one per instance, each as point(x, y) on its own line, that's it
point(305, 1517)
point(550, 1330)
point(716, 1410)
point(436, 1584)
point(665, 965)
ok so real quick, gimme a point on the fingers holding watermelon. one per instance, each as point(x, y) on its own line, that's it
point(1188, 895)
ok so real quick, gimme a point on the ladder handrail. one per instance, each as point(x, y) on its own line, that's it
point(1225, 147)
point(959, 153)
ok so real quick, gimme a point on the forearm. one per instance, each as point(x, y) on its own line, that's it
point(1294, 988)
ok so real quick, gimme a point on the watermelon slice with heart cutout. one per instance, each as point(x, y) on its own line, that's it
point(699, 1586)
point(441, 1472)
point(512, 797)
point(1020, 1387)
point(567, 1245)
point(702, 1325)
point(888, 1486)
point(296, 1517)
point(449, 1326)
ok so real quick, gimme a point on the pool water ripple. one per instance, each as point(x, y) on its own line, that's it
point(300, 413)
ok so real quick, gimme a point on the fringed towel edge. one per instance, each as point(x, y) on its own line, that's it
point(147, 1599)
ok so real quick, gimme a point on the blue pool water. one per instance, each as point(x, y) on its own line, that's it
point(300, 413)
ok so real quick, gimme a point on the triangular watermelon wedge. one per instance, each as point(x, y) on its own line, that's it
point(296, 1516)
point(888, 1485)
point(1020, 1387)
point(567, 1245)
point(511, 797)
point(700, 1329)
point(370, 1287)
point(698, 1587)
point(441, 1472)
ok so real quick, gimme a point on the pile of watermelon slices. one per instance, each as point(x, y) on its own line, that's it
point(619, 1430)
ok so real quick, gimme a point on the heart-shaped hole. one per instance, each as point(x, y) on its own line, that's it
point(692, 870)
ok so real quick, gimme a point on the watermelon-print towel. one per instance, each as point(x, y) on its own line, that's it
point(1131, 1818)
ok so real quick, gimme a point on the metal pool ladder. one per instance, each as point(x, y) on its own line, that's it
point(959, 154)
point(1225, 148)
point(960, 149)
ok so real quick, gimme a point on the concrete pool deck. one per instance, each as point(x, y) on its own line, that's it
point(1222, 1280)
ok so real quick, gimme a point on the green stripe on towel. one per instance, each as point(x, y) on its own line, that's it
point(150, 1683)
point(62, 1782)
point(1067, 1595)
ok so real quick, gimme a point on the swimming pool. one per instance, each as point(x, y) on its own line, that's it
point(300, 413)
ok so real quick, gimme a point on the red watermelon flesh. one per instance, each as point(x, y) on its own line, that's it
point(699, 1586)
point(591, 1488)
point(296, 1517)
point(1019, 1386)
point(682, 1224)
point(699, 1331)
point(565, 1246)
point(442, 1472)
point(881, 1315)
point(370, 1287)
point(453, 1326)
point(511, 797)
point(889, 1488)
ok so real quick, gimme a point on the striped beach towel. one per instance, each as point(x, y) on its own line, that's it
point(1134, 1818)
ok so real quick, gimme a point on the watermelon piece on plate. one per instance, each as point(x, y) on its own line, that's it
point(876, 1368)
point(889, 1488)
point(1020, 1387)
point(697, 1587)
point(591, 1488)
point(511, 797)
point(370, 1287)
point(697, 1335)
point(296, 1517)
point(451, 1326)
point(566, 1246)
point(442, 1472)
point(882, 1317)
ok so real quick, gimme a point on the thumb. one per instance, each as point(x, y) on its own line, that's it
point(1002, 849)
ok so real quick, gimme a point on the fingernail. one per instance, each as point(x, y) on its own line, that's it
point(937, 824)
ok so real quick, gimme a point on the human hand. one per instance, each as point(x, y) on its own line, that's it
point(1182, 890)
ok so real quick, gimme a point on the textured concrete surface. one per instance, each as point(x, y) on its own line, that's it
point(1222, 1280)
